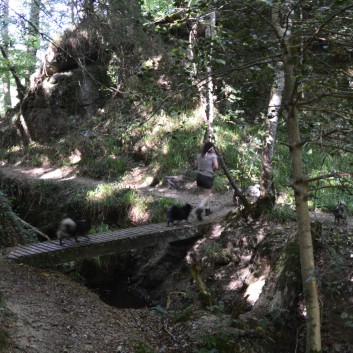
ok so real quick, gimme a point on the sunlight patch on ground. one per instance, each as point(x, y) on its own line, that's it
point(238, 282)
point(136, 215)
point(196, 248)
point(260, 235)
point(75, 157)
point(137, 178)
point(235, 284)
point(216, 231)
point(256, 284)
point(57, 174)
point(47, 173)
point(254, 290)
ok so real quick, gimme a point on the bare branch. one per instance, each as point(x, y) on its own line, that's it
point(342, 94)
point(330, 175)
point(20, 88)
point(341, 148)
point(328, 111)
point(328, 20)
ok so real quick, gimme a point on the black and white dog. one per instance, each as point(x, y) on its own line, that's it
point(178, 213)
point(70, 228)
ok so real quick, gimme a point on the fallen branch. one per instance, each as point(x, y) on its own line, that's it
point(33, 228)
point(237, 190)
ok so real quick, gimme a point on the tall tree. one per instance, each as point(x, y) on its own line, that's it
point(210, 34)
point(5, 38)
point(298, 54)
point(299, 183)
point(33, 40)
point(268, 146)
point(311, 68)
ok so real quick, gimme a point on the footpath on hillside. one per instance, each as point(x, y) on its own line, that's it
point(188, 193)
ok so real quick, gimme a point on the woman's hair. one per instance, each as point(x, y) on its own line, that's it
point(206, 147)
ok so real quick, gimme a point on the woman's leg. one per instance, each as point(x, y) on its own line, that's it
point(204, 203)
point(205, 198)
point(207, 205)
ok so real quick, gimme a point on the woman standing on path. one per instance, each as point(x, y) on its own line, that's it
point(207, 163)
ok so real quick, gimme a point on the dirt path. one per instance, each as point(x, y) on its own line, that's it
point(136, 180)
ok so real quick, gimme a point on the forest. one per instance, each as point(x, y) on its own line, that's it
point(107, 89)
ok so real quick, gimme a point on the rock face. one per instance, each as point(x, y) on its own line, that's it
point(61, 101)
point(67, 88)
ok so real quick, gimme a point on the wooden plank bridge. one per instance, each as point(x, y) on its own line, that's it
point(52, 253)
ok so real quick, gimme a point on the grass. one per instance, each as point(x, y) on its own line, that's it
point(167, 144)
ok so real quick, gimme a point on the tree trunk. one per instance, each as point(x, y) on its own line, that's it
point(300, 186)
point(20, 88)
point(33, 38)
point(210, 33)
point(237, 190)
point(266, 174)
point(204, 85)
point(299, 183)
point(5, 39)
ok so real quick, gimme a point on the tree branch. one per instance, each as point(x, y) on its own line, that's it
point(20, 88)
point(237, 190)
point(343, 94)
point(328, 111)
point(330, 175)
point(328, 20)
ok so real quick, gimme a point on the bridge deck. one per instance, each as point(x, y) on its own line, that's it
point(51, 252)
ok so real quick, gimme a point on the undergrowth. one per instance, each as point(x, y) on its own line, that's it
point(168, 144)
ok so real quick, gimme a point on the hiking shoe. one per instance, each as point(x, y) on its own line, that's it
point(208, 212)
point(199, 214)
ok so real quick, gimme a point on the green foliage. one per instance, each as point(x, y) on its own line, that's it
point(107, 167)
point(129, 204)
point(12, 231)
point(158, 208)
point(142, 347)
point(218, 308)
point(220, 184)
point(291, 276)
point(70, 269)
point(175, 316)
point(156, 7)
point(332, 280)
point(240, 145)
point(183, 315)
point(214, 344)
point(154, 118)
point(335, 287)
point(324, 193)
point(283, 213)
point(100, 228)
point(348, 318)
